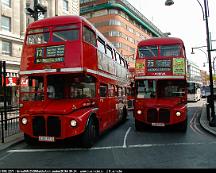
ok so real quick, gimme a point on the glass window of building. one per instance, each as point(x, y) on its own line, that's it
point(113, 11)
point(6, 48)
point(65, 5)
point(6, 3)
point(100, 13)
point(114, 33)
point(114, 22)
point(5, 23)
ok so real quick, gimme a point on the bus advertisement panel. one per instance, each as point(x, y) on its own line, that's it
point(160, 83)
point(73, 82)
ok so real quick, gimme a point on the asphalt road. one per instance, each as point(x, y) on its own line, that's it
point(124, 147)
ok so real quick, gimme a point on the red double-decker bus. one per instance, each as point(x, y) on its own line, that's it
point(73, 81)
point(160, 83)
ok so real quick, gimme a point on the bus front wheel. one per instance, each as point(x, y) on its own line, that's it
point(29, 140)
point(139, 125)
point(182, 127)
point(90, 135)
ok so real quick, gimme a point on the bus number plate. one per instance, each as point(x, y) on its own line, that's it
point(46, 138)
point(158, 124)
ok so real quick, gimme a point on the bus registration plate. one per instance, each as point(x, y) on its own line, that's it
point(158, 124)
point(47, 138)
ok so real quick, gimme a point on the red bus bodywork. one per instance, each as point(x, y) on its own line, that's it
point(160, 83)
point(64, 51)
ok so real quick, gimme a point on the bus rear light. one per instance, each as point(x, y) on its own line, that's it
point(24, 121)
point(73, 123)
point(139, 112)
point(178, 114)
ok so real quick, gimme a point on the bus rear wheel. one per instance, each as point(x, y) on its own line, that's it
point(90, 135)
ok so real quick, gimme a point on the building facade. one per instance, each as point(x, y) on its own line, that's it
point(13, 22)
point(121, 23)
point(193, 72)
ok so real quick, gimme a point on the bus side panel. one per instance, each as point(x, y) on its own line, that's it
point(89, 56)
point(73, 55)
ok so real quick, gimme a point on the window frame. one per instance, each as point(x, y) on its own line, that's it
point(3, 27)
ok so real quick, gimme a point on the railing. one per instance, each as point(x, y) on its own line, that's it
point(9, 122)
point(208, 107)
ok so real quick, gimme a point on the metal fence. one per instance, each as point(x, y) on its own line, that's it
point(9, 122)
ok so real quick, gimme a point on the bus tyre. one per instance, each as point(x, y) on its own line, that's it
point(125, 114)
point(28, 139)
point(139, 125)
point(182, 127)
point(90, 135)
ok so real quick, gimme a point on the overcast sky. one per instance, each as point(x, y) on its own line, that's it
point(184, 19)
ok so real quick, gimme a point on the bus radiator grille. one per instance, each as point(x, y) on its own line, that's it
point(53, 126)
point(163, 115)
point(152, 115)
point(38, 126)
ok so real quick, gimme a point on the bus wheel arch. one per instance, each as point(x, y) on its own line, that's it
point(91, 132)
point(182, 127)
point(29, 140)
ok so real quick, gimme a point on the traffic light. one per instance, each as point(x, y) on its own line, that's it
point(38, 8)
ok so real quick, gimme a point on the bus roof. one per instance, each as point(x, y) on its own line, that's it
point(160, 41)
point(56, 20)
point(62, 20)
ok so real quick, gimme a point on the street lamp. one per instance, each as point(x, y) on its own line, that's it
point(199, 48)
point(169, 2)
point(205, 12)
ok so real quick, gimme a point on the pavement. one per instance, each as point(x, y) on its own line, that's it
point(18, 138)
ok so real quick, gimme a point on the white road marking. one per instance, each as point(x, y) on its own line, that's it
point(5, 156)
point(105, 148)
point(125, 138)
point(193, 124)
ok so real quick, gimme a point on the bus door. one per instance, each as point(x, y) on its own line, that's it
point(120, 102)
point(105, 106)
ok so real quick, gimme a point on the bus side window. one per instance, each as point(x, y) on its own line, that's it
point(51, 91)
point(103, 90)
point(89, 36)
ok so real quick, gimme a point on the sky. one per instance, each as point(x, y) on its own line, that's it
point(184, 19)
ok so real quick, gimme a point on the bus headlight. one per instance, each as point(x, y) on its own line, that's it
point(24, 121)
point(20, 105)
point(73, 123)
point(178, 114)
point(139, 112)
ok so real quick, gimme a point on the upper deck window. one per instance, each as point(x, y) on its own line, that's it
point(89, 36)
point(148, 51)
point(64, 33)
point(59, 36)
point(109, 52)
point(38, 36)
point(170, 50)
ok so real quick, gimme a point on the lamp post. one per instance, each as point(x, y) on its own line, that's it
point(199, 48)
point(205, 12)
